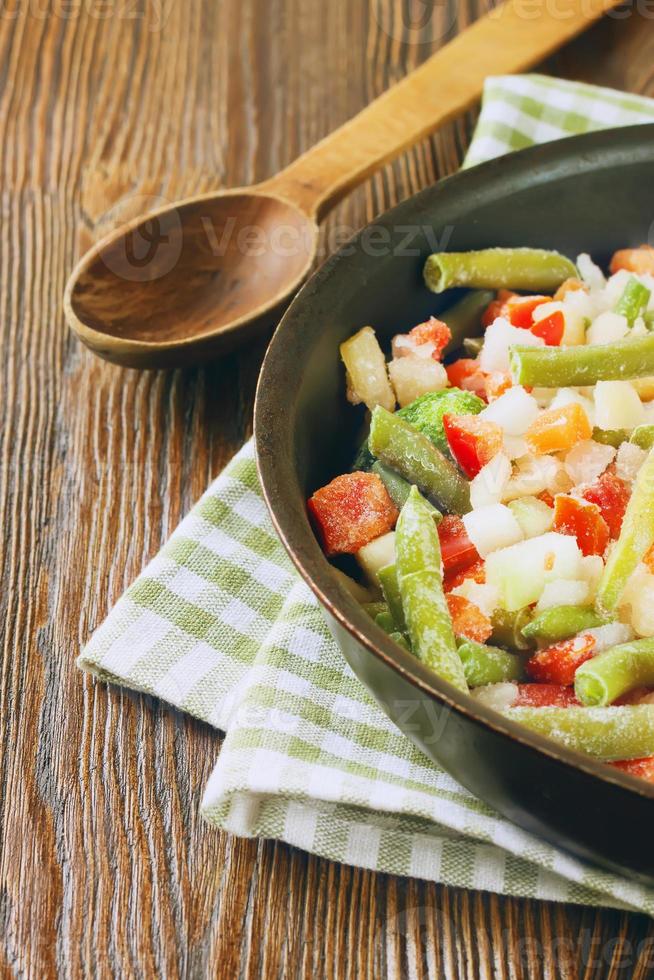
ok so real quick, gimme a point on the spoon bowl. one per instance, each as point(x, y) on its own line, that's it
point(175, 285)
point(189, 280)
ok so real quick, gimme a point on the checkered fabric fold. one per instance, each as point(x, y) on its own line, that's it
point(219, 625)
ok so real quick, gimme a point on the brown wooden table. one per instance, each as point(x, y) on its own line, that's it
point(106, 868)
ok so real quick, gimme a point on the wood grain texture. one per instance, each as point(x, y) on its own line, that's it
point(105, 868)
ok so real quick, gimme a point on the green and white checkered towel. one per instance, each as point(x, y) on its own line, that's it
point(219, 625)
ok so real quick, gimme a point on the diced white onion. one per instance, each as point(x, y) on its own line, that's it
point(607, 328)
point(497, 340)
point(564, 592)
point(591, 274)
point(515, 411)
point(588, 460)
point(489, 484)
point(610, 636)
point(484, 596)
point(628, 462)
point(498, 696)
point(492, 527)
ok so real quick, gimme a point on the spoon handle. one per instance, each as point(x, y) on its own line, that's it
point(510, 38)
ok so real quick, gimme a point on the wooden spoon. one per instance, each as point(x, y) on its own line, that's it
point(191, 279)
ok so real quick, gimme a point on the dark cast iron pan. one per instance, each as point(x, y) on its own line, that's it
point(592, 193)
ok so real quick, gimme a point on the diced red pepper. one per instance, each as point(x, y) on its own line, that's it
point(642, 768)
point(467, 619)
point(557, 664)
point(457, 550)
point(473, 441)
point(546, 497)
point(583, 520)
point(519, 310)
point(611, 494)
point(497, 382)
point(352, 511)
point(551, 328)
point(638, 260)
point(466, 374)
point(545, 696)
point(497, 307)
point(432, 331)
point(473, 573)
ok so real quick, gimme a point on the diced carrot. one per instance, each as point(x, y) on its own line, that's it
point(351, 511)
point(432, 331)
point(557, 664)
point(545, 696)
point(473, 573)
point(569, 286)
point(496, 307)
point(551, 328)
point(497, 382)
point(467, 619)
point(584, 521)
point(519, 310)
point(642, 768)
point(473, 441)
point(648, 558)
point(546, 497)
point(558, 429)
point(638, 260)
point(466, 374)
point(457, 550)
point(611, 494)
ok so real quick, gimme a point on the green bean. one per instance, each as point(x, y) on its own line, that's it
point(374, 608)
point(636, 537)
point(464, 317)
point(386, 621)
point(414, 457)
point(643, 436)
point(565, 367)
point(391, 588)
point(533, 269)
point(508, 628)
point(473, 345)
point(610, 437)
point(398, 488)
point(633, 301)
point(483, 664)
point(604, 678)
point(561, 622)
point(401, 639)
point(606, 733)
point(421, 588)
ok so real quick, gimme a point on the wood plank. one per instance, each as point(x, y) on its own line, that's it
point(106, 868)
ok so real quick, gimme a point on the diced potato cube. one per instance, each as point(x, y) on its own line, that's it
point(521, 572)
point(637, 604)
point(413, 376)
point(617, 405)
point(376, 555)
point(366, 368)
